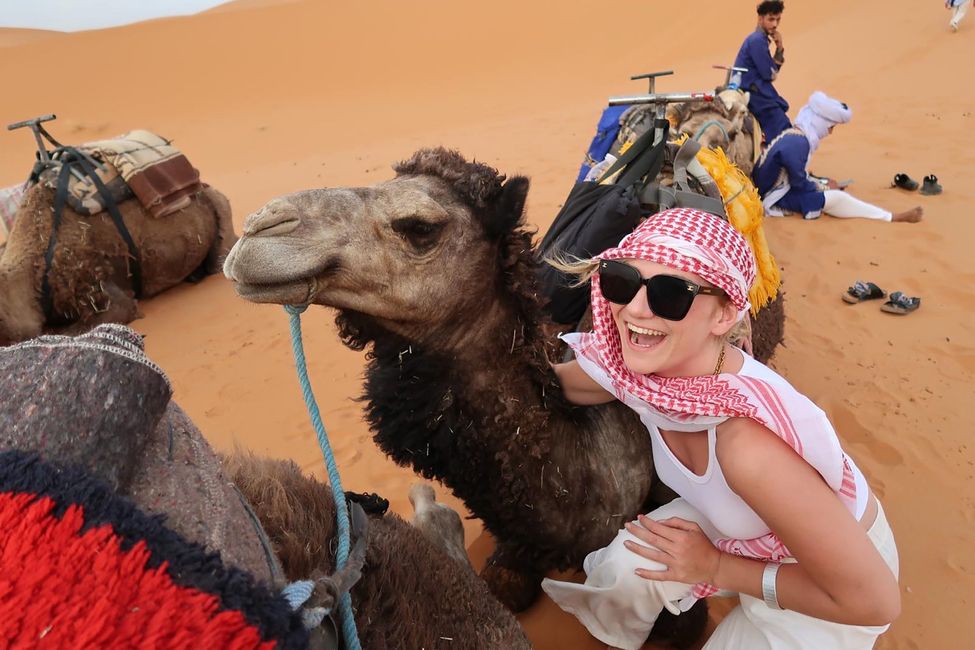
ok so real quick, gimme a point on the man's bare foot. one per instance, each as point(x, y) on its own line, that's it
point(909, 216)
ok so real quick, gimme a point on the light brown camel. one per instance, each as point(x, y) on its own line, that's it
point(724, 123)
point(90, 275)
point(435, 271)
point(96, 401)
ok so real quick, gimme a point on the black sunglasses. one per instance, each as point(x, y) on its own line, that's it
point(669, 296)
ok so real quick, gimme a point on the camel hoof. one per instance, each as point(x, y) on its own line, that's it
point(681, 632)
point(516, 590)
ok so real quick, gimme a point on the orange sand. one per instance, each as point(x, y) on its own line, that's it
point(271, 97)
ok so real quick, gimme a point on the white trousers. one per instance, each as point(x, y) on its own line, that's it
point(844, 205)
point(619, 608)
point(958, 13)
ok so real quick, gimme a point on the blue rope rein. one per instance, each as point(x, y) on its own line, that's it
point(349, 632)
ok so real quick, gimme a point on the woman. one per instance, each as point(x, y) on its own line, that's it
point(771, 508)
point(784, 184)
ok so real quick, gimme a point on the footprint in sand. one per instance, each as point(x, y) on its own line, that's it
point(961, 564)
point(850, 429)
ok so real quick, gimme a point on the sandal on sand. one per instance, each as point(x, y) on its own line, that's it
point(931, 186)
point(861, 291)
point(904, 182)
point(900, 304)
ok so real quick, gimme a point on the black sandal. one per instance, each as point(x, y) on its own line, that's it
point(861, 291)
point(900, 304)
point(904, 182)
point(931, 186)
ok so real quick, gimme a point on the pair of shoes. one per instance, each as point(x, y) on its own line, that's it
point(898, 303)
point(928, 188)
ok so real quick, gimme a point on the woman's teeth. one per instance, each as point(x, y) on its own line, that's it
point(643, 336)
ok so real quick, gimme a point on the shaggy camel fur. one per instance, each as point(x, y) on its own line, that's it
point(730, 111)
point(435, 271)
point(410, 595)
point(90, 276)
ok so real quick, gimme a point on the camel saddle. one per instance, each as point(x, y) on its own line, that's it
point(137, 163)
point(96, 401)
point(88, 422)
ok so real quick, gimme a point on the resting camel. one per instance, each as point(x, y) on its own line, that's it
point(97, 402)
point(90, 274)
point(724, 123)
point(435, 271)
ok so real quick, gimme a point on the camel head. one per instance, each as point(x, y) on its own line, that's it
point(425, 254)
point(714, 124)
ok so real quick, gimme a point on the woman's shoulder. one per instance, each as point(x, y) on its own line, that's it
point(796, 406)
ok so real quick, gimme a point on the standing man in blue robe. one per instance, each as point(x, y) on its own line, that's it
point(765, 103)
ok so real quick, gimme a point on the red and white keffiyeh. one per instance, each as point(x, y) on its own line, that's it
point(706, 245)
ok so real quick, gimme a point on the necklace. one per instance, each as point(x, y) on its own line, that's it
point(717, 368)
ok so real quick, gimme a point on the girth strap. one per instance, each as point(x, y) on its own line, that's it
point(69, 158)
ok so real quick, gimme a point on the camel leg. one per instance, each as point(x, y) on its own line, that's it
point(119, 307)
point(681, 632)
point(226, 238)
point(514, 583)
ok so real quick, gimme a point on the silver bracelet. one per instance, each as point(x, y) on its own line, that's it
point(768, 585)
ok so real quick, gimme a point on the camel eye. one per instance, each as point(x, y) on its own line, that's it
point(421, 234)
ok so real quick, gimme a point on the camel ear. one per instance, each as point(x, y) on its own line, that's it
point(508, 208)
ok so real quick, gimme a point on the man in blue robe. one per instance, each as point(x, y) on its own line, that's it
point(765, 103)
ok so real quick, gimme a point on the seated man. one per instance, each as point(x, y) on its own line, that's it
point(765, 103)
point(784, 184)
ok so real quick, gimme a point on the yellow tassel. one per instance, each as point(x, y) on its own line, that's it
point(744, 208)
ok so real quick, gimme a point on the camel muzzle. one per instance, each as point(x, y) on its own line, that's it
point(276, 218)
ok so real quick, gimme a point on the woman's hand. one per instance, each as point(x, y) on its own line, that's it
point(680, 545)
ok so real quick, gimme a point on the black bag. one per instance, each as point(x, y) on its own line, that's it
point(596, 216)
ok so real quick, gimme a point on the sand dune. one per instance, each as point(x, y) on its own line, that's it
point(271, 97)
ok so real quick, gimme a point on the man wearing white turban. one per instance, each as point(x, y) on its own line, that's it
point(781, 173)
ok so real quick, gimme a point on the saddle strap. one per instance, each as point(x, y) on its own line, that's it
point(668, 197)
point(60, 196)
point(71, 157)
point(136, 259)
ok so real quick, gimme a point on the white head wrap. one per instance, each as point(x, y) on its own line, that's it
point(817, 116)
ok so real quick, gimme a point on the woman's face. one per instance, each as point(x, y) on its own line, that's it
point(653, 345)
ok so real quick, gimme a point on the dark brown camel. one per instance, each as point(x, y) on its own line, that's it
point(434, 270)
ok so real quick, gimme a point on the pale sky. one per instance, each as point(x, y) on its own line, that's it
point(78, 15)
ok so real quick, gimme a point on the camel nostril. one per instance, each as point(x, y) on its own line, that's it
point(280, 218)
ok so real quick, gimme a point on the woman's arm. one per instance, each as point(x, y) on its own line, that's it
point(578, 387)
point(840, 576)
